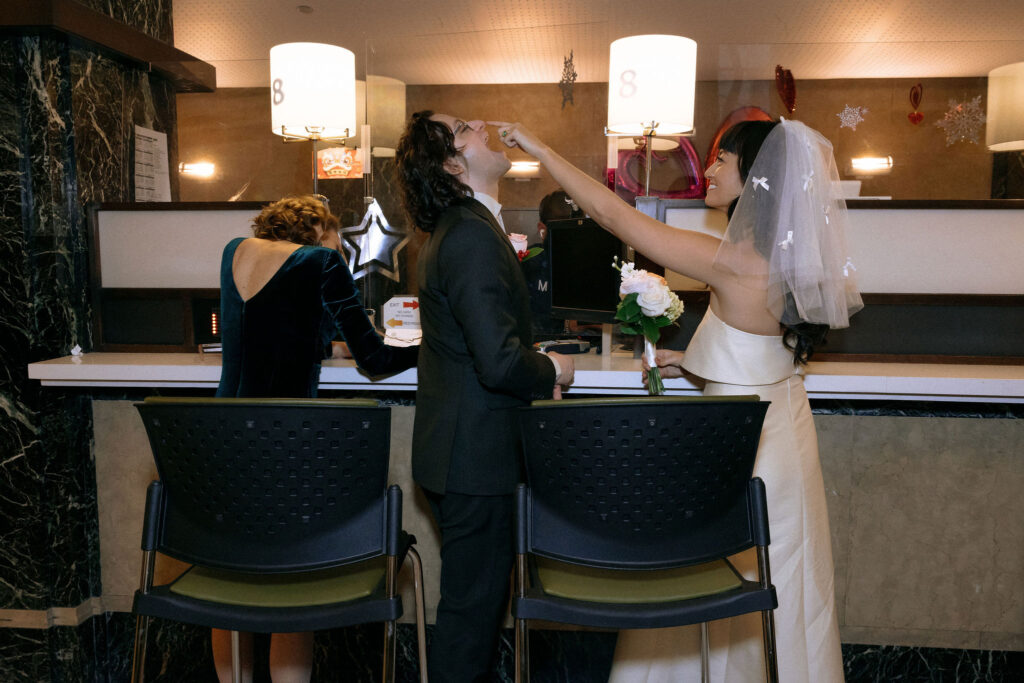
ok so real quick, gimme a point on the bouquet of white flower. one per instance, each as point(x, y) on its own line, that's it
point(646, 304)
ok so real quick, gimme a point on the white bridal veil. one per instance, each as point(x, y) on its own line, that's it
point(788, 232)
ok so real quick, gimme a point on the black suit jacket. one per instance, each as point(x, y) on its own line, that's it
point(476, 365)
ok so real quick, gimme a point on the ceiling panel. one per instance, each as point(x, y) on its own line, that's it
point(526, 41)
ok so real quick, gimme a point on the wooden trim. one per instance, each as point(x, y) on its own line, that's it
point(66, 17)
point(821, 356)
point(182, 206)
point(935, 204)
point(943, 299)
point(657, 209)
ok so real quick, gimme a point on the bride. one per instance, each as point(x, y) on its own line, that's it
point(779, 279)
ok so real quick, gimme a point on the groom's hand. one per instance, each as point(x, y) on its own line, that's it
point(567, 367)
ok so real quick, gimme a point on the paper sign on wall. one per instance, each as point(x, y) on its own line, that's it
point(402, 312)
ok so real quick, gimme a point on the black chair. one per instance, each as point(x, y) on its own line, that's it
point(283, 509)
point(630, 509)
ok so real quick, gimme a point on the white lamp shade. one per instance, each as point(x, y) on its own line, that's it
point(651, 80)
point(1004, 127)
point(312, 90)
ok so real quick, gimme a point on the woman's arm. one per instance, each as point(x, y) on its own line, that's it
point(684, 251)
point(341, 301)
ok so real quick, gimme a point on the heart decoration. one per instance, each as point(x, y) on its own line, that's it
point(915, 117)
point(786, 86)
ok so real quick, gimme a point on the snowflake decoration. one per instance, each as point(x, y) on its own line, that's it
point(851, 116)
point(568, 80)
point(963, 121)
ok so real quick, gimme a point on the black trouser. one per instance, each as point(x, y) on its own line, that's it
point(476, 561)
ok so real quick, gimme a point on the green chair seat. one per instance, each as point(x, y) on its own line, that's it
point(591, 584)
point(339, 584)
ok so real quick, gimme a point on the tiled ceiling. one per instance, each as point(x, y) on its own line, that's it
point(526, 41)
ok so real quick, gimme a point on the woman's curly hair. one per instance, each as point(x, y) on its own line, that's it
point(294, 219)
point(427, 188)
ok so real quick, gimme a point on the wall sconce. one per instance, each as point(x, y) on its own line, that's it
point(312, 93)
point(651, 88)
point(523, 170)
point(862, 166)
point(201, 169)
point(1004, 130)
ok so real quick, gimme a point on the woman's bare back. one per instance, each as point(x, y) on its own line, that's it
point(256, 261)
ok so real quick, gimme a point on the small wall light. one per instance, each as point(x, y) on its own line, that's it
point(860, 166)
point(524, 170)
point(201, 169)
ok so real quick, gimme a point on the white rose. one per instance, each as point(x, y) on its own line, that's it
point(518, 241)
point(634, 282)
point(655, 301)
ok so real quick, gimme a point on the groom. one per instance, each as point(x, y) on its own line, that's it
point(476, 366)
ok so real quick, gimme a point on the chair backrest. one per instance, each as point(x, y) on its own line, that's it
point(268, 484)
point(640, 483)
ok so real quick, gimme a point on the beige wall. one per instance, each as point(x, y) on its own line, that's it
point(231, 127)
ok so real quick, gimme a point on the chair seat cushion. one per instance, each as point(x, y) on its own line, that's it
point(323, 587)
point(575, 582)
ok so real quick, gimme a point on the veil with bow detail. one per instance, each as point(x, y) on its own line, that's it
point(787, 235)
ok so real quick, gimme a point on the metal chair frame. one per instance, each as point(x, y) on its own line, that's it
point(588, 464)
point(301, 431)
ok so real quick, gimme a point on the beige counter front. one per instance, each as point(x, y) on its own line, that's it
point(925, 511)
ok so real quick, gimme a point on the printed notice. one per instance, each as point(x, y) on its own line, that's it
point(152, 175)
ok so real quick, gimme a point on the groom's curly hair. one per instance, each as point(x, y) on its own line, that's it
point(427, 188)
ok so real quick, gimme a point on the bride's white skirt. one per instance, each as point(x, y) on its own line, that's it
point(807, 631)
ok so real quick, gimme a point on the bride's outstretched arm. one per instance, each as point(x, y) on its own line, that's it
point(684, 251)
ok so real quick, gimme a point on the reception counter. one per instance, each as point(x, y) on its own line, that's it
point(605, 375)
point(923, 468)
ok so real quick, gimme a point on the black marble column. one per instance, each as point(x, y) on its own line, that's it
point(66, 125)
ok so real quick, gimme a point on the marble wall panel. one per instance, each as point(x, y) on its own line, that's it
point(152, 17)
point(62, 111)
point(41, 315)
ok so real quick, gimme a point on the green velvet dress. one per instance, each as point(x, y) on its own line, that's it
point(274, 342)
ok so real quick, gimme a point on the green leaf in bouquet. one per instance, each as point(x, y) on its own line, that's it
point(650, 329)
point(628, 309)
point(629, 329)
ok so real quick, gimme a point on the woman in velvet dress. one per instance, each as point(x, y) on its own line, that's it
point(284, 294)
point(779, 278)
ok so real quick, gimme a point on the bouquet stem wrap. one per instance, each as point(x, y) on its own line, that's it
point(655, 387)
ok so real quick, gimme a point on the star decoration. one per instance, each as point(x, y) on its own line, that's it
point(963, 121)
point(849, 117)
point(373, 245)
point(568, 79)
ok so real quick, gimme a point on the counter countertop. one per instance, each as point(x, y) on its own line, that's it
point(615, 374)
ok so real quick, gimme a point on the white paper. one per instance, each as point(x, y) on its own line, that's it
point(152, 175)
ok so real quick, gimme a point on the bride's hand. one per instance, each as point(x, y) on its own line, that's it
point(518, 135)
point(670, 364)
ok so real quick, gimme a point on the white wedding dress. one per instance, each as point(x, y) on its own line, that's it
point(807, 631)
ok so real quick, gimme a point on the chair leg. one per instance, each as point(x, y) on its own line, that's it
point(236, 658)
point(522, 653)
point(139, 651)
point(390, 648)
point(421, 612)
point(705, 653)
point(771, 663)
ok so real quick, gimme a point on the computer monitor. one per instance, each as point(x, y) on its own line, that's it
point(584, 286)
